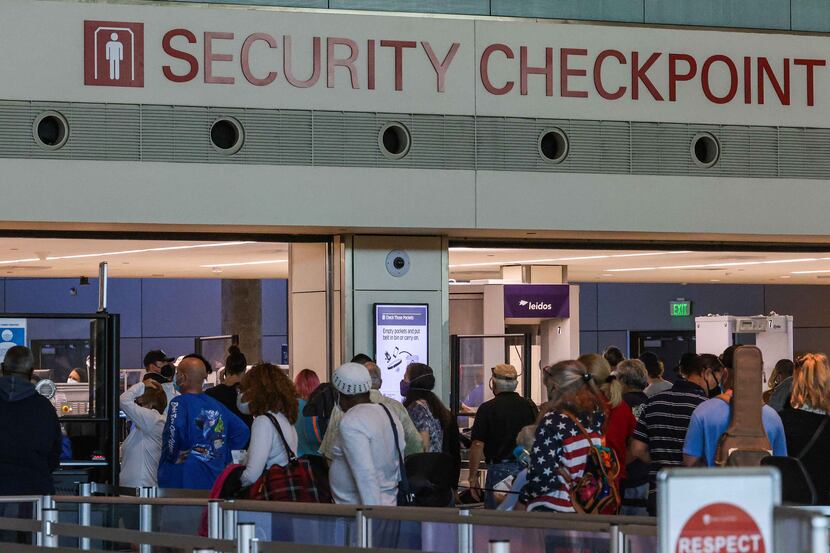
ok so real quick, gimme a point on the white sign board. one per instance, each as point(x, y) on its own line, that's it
point(12, 333)
point(401, 338)
point(262, 57)
point(717, 510)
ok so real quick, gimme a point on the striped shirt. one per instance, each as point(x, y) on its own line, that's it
point(559, 447)
point(664, 423)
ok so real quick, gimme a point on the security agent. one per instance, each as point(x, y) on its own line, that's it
point(30, 434)
point(497, 423)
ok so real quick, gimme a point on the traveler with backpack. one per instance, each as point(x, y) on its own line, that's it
point(571, 470)
point(807, 420)
point(433, 475)
point(711, 419)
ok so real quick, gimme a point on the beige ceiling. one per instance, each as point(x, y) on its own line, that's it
point(51, 257)
point(650, 265)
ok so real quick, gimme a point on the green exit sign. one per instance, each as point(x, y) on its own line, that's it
point(681, 308)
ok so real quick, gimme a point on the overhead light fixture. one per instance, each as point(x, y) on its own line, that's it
point(809, 272)
point(240, 264)
point(725, 264)
point(556, 259)
point(146, 250)
point(13, 261)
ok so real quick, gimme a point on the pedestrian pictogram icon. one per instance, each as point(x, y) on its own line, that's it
point(113, 53)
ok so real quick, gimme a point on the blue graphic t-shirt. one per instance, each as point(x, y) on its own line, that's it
point(198, 438)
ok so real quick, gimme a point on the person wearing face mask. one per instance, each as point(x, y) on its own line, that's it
point(365, 467)
point(141, 450)
point(268, 394)
point(711, 418)
point(435, 423)
point(662, 425)
point(200, 433)
point(227, 392)
point(497, 423)
point(412, 438)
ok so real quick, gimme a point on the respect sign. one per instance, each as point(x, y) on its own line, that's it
point(717, 510)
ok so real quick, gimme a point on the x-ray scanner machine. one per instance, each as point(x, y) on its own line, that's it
point(773, 335)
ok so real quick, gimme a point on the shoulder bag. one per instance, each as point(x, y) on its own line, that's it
point(405, 497)
point(295, 481)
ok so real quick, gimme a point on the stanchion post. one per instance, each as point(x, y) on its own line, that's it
point(145, 517)
point(617, 540)
point(85, 514)
point(363, 524)
point(465, 534)
point(228, 521)
point(49, 517)
point(214, 516)
point(499, 546)
point(245, 533)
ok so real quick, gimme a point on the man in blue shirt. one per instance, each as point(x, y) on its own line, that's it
point(711, 419)
point(199, 435)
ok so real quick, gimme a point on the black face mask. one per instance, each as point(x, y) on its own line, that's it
point(168, 371)
point(716, 391)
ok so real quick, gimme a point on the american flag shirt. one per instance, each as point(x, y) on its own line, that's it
point(559, 444)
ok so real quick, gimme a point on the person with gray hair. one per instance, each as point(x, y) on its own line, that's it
point(365, 467)
point(497, 423)
point(633, 375)
point(412, 437)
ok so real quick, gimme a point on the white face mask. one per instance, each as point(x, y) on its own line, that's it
point(243, 406)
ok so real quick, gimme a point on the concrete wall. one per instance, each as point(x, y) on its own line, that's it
point(796, 15)
point(155, 313)
point(609, 311)
point(368, 282)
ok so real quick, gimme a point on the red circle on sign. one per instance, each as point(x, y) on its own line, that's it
point(720, 528)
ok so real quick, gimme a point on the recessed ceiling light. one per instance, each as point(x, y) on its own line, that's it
point(786, 276)
point(714, 280)
point(266, 262)
point(13, 261)
point(161, 249)
point(809, 272)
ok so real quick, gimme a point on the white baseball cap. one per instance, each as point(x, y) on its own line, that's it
point(352, 379)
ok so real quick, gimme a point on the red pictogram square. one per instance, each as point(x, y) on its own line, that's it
point(113, 53)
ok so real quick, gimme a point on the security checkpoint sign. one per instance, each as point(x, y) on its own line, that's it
point(717, 510)
point(401, 338)
point(12, 333)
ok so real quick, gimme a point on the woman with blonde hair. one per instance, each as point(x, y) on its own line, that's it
point(621, 421)
point(576, 414)
point(807, 420)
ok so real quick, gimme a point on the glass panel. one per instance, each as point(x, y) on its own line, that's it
point(476, 356)
point(23, 510)
point(302, 529)
point(413, 535)
point(642, 544)
point(532, 540)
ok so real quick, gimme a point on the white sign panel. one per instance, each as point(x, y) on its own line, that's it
point(401, 338)
point(717, 510)
point(12, 333)
point(303, 59)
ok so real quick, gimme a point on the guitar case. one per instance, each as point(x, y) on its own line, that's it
point(745, 442)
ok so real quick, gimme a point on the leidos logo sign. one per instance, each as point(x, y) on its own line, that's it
point(535, 305)
point(113, 53)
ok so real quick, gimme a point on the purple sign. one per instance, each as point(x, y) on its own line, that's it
point(537, 301)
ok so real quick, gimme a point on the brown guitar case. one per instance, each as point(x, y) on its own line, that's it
point(745, 442)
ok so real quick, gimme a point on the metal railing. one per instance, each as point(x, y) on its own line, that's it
point(227, 532)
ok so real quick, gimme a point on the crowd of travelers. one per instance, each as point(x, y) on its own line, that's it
point(595, 446)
